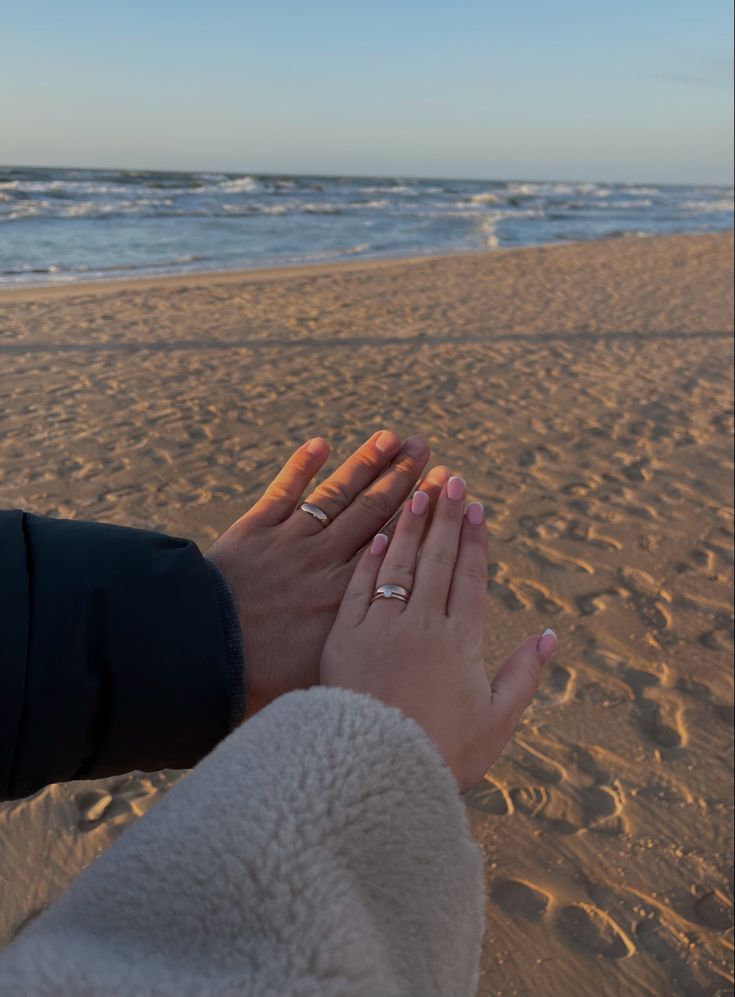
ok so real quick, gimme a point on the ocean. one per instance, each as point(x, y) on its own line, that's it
point(68, 225)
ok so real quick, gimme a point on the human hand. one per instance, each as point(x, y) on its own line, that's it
point(288, 574)
point(426, 656)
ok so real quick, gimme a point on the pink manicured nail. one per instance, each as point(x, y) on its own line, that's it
point(475, 513)
point(386, 441)
point(317, 446)
point(546, 645)
point(456, 488)
point(419, 503)
point(379, 544)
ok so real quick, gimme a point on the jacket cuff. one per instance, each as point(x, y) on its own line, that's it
point(122, 661)
point(234, 646)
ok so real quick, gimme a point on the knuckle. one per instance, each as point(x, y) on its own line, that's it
point(377, 503)
point(405, 468)
point(400, 568)
point(279, 491)
point(364, 462)
point(449, 511)
point(356, 596)
point(532, 675)
point(440, 558)
point(299, 464)
point(474, 572)
point(334, 490)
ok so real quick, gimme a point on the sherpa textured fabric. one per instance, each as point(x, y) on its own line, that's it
point(321, 850)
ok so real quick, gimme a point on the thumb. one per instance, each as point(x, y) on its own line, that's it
point(516, 682)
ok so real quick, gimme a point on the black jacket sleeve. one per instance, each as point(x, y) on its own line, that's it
point(119, 650)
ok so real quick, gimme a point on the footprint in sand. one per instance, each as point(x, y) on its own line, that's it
point(651, 601)
point(663, 941)
point(532, 456)
point(520, 899)
point(559, 685)
point(597, 602)
point(537, 595)
point(119, 801)
point(721, 634)
point(603, 809)
point(541, 766)
point(663, 725)
point(581, 925)
point(92, 808)
point(497, 586)
point(490, 797)
point(594, 932)
point(654, 725)
point(714, 910)
point(555, 559)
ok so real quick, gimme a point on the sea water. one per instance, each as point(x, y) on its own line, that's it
point(66, 225)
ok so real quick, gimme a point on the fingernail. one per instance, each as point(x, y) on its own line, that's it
point(475, 513)
point(456, 488)
point(419, 503)
point(386, 441)
point(415, 446)
point(317, 446)
point(380, 542)
point(546, 645)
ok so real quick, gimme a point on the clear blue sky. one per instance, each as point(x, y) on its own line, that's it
point(552, 89)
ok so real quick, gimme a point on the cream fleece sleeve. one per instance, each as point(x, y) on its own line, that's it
point(320, 850)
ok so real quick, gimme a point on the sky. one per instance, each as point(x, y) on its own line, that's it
point(488, 89)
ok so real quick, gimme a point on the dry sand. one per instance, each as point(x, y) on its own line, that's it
point(585, 392)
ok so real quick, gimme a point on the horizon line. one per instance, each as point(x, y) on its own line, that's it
point(361, 176)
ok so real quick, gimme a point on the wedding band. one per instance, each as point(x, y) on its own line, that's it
point(316, 512)
point(390, 592)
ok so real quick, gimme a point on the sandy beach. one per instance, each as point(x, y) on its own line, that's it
point(585, 392)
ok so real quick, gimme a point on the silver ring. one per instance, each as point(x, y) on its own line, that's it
point(390, 592)
point(316, 512)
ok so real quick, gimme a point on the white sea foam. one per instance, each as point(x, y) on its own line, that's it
point(623, 205)
point(643, 191)
point(241, 185)
point(486, 198)
point(724, 204)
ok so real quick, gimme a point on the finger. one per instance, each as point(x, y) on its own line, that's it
point(432, 485)
point(468, 592)
point(516, 682)
point(400, 562)
point(439, 553)
point(361, 587)
point(375, 506)
point(336, 493)
point(282, 494)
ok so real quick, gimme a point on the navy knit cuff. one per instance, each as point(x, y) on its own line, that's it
point(234, 645)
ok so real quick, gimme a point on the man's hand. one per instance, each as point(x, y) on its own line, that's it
point(288, 573)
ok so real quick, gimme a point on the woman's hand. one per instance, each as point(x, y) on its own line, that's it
point(426, 656)
point(288, 573)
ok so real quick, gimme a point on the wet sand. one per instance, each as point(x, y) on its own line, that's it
point(585, 391)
